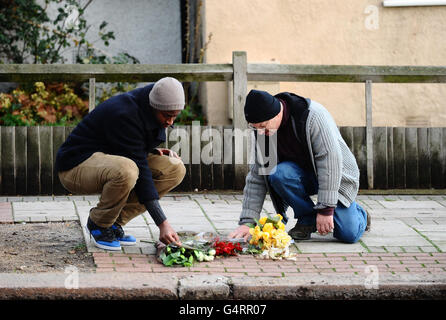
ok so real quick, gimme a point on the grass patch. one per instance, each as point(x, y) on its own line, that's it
point(365, 246)
point(428, 240)
point(207, 217)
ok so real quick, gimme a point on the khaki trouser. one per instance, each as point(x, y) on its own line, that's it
point(114, 177)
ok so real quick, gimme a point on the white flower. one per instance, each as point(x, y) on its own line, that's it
point(208, 258)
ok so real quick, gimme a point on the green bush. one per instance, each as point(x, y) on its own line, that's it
point(54, 104)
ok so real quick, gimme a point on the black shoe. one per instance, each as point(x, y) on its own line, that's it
point(301, 232)
point(369, 221)
point(124, 239)
point(103, 238)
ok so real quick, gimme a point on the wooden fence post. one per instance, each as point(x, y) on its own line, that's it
point(58, 140)
point(33, 161)
point(399, 157)
point(46, 159)
point(217, 151)
point(21, 138)
point(8, 170)
point(369, 132)
point(240, 84)
point(92, 94)
point(195, 139)
point(438, 157)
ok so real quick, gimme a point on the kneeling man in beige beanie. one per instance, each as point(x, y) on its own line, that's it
point(113, 151)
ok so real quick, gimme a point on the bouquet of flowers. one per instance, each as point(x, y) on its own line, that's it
point(226, 248)
point(195, 248)
point(184, 256)
point(270, 239)
point(199, 247)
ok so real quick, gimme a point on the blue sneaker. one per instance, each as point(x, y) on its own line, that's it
point(125, 240)
point(103, 238)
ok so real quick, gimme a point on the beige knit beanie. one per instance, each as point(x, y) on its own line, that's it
point(167, 94)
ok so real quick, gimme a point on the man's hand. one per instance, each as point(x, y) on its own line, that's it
point(167, 234)
point(241, 232)
point(167, 152)
point(324, 224)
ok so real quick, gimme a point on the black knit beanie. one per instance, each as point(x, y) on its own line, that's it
point(261, 106)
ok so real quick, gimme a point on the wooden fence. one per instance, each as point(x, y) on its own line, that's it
point(388, 151)
point(404, 158)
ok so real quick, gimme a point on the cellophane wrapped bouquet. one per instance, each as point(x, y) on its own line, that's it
point(203, 246)
point(270, 240)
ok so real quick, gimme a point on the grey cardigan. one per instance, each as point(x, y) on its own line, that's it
point(334, 164)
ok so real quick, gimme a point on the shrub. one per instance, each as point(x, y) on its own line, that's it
point(58, 104)
point(54, 104)
point(191, 112)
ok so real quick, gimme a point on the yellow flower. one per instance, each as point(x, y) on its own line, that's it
point(5, 102)
point(256, 235)
point(268, 227)
point(270, 235)
point(281, 239)
point(255, 230)
point(39, 85)
point(281, 226)
point(267, 244)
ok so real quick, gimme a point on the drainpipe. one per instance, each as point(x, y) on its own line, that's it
point(409, 3)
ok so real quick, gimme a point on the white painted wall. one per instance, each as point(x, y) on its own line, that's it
point(149, 30)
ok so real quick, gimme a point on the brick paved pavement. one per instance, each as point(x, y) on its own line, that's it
point(319, 263)
point(408, 236)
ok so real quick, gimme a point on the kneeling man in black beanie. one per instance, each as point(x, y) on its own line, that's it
point(312, 159)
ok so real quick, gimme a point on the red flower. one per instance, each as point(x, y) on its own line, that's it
point(226, 248)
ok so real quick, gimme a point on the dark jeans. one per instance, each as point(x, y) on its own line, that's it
point(295, 186)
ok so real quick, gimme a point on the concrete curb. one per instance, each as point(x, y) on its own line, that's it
point(343, 287)
point(127, 286)
point(86, 286)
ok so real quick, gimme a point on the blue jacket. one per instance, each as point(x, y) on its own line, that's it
point(124, 125)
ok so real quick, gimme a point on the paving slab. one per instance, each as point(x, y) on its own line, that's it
point(434, 236)
point(137, 222)
point(442, 202)
point(269, 207)
point(43, 205)
point(407, 212)
point(138, 232)
point(431, 228)
point(43, 211)
point(328, 245)
point(398, 204)
point(441, 245)
point(429, 249)
point(411, 221)
point(393, 233)
point(191, 227)
point(222, 207)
